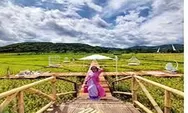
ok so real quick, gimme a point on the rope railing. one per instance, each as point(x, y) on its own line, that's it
point(136, 82)
point(19, 94)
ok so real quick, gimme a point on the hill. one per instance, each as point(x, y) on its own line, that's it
point(51, 47)
point(179, 48)
point(77, 47)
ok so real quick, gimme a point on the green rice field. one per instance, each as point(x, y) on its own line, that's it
point(13, 63)
point(18, 62)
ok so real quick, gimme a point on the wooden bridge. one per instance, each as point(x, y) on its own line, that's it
point(82, 104)
point(108, 104)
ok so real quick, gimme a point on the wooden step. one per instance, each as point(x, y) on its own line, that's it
point(105, 89)
point(103, 85)
point(86, 94)
point(102, 82)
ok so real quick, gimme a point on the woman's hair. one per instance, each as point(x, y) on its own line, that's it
point(94, 67)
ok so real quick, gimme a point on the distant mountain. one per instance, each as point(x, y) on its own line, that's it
point(51, 47)
point(77, 47)
point(169, 48)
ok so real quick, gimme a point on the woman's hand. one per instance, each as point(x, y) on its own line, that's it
point(101, 70)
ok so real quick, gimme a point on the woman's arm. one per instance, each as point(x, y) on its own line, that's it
point(101, 70)
point(87, 78)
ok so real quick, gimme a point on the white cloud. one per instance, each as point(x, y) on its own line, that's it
point(132, 17)
point(116, 5)
point(164, 27)
point(164, 24)
point(160, 6)
point(36, 24)
point(76, 4)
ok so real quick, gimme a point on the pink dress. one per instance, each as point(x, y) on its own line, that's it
point(95, 90)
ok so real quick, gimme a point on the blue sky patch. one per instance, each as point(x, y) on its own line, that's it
point(86, 12)
point(100, 2)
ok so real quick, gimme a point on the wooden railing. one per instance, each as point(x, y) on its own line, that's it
point(136, 81)
point(19, 93)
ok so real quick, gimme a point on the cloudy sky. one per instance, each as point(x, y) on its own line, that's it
point(108, 23)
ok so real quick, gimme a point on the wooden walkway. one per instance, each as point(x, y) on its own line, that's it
point(102, 80)
point(83, 74)
point(108, 104)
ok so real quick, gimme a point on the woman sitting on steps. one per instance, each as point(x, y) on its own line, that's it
point(95, 90)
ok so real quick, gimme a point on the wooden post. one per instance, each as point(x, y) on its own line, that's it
point(113, 86)
point(54, 87)
point(8, 72)
point(20, 102)
point(116, 59)
point(167, 102)
point(134, 88)
point(76, 89)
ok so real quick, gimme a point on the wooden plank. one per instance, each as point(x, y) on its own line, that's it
point(105, 107)
point(67, 74)
point(109, 105)
point(132, 108)
point(45, 107)
point(162, 86)
point(154, 103)
point(161, 74)
point(143, 107)
point(33, 90)
point(70, 92)
point(125, 93)
point(148, 73)
point(124, 78)
point(87, 110)
point(23, 87)
point(66, 80)
point(79, 108)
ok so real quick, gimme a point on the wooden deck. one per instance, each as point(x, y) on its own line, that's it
point(83, 74)
point(85, 105)
point(108, 104)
